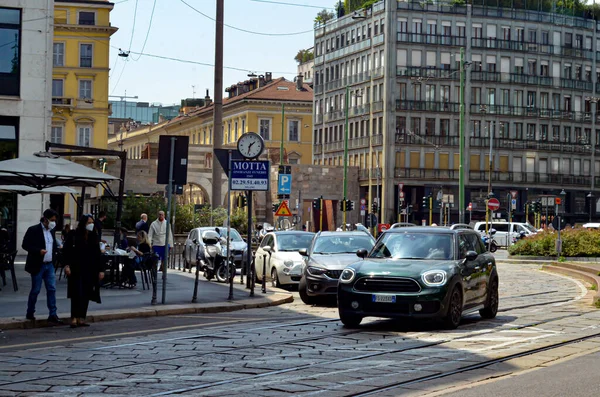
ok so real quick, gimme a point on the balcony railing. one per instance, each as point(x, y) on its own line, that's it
point(317, 148)
point(378, 106)
point(572, 52)
point(423, 38)
point(530, 177)
point(521, 111)
point(358, 142)
point(427, 106)
point(423, 173)
point(576, 84)
point(333, 146)
point(62, 101)
point(440, 141)
point(527, 144)
point(440, 8)
point(512, 45)
point(364, 173)
point(376, 139)
point(417, 71)
point(359, 110)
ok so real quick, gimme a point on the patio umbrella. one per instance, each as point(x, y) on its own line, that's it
point(26, 190)
point(44, 170)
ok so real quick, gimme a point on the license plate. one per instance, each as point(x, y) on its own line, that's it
point(384, 298)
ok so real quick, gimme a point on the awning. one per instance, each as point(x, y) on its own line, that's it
point(25, 190)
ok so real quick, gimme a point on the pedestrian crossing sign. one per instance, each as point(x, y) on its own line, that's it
point(283, 209)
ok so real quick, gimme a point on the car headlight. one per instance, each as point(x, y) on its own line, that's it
point(316, 271)
point(434, 278)
point(347, 276)
point(288, 263)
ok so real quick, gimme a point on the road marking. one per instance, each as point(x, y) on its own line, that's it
point(149, 331)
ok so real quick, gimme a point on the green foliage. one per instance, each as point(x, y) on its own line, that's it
point(575, 243)
point(353, 5)
point(304, 56)
point(594, 287)
point(323, 17)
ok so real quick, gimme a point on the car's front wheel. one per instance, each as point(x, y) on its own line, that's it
point(454, 314)
point(350, 320)
point(275, 279)
point(491, 306)
point(306, 298)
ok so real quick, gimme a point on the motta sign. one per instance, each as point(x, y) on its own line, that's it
point(250, 175)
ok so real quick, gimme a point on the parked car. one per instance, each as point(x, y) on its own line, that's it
point(324, 260)
point(237, 245)
point(420, 272)
point(460, 226)
point(402, 224)
point(506, 231)
point(279, 252)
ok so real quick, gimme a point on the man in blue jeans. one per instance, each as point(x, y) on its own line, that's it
point(41, 246)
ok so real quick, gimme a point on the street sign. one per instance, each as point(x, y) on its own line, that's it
point(362, 212)
point(284, 184)
point(180, 159)
point(363, 201)
point(514, 193)
point(558, 201)
point(250, 175)
point(401, 194)
point(363, 207)
point(283, 209)
point(470, 207)
point(400, 186)
point(513, 204)
point(493, 204)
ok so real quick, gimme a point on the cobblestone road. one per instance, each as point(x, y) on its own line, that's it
point(305, 351)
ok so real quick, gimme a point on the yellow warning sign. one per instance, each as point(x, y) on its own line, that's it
point(283, 209)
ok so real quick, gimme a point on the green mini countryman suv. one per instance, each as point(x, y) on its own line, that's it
point(420, 272)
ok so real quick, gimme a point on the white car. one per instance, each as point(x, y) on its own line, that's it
point(278, 255)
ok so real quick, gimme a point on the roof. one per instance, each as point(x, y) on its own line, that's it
point(347, 233)
point(426, 229)
point(269, 91)
point(287, 232)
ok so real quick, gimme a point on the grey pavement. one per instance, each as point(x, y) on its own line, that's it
point(180, 287)
point(301, 350)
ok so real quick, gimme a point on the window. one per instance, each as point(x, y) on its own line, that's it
point(264, 127)
point(84, 135)
point(85, 55)
point(293, 130)
point(87, 18)
point(429, 126)
point(57, 88)
point(85, 89)
point(58, 54)
point(243, 126)
point(56, 134)
point(10, 51)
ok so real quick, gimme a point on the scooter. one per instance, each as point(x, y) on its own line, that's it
point(521, 236)
point(488, 240)
point(212, 257)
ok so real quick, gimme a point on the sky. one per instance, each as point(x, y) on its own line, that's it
point(179, 32)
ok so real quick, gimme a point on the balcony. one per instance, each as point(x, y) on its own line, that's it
point(576, 84)
point(358, 142)
point(527, 144)
point(513, 78)
point(63, 102)
point(439, 8)
point(364, 174)
point(441, 141)
point(530, 177)
point(434, 73)
point(572, 52)
point(423, 38)
point(512, 45)
point(334, 146)
point(334, 115)
point(377, 139)
point(359, 110)
point(425, 174)
point(378, 106)
point(318, 118)
point(427, 106)
point(317, 148)
point(520, 111)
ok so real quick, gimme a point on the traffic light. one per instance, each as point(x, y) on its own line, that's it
point(241, 201)
point(344, 204)
point(538, 207)
point(316, 204)
point(275, 206)
point(350, 205)
point(374, 207)
point(425, 203)
point(409, 209)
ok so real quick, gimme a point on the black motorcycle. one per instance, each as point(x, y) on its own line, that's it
point(212, 257)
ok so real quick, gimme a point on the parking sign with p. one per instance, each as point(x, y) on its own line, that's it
point(284, 184)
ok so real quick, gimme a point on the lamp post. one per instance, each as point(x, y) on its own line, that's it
point(461, 140)
point(345, 193)
point(592, 140)
point(590, 197)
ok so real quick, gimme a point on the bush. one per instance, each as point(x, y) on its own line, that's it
point(575, 242)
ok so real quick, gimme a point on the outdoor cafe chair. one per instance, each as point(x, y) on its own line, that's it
point(7, 263)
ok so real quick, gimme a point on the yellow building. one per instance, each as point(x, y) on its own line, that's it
point(256, 105)
point(81, 46)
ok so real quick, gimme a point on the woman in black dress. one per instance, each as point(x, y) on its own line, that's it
point(83, 268)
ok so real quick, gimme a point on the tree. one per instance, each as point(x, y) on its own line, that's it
point(304, 56)
point(353, 5)
point(323, 17)
point(340, 9)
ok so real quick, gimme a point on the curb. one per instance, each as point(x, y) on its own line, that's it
point(278, 298)
point(591, 278)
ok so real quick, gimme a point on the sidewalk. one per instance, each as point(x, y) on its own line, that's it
point(128, 303)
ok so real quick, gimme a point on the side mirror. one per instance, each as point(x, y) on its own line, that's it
point(362, 254)
point(471, 255)
point(303, 252)
point(492, 232)
point(195, 241)
point(267, 248)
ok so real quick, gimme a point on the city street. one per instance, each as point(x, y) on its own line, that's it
point(301, 350)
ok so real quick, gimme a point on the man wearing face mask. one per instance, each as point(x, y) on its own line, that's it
point(158, 236)
point(41, 246)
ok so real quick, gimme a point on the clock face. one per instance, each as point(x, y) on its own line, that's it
point(250, 145)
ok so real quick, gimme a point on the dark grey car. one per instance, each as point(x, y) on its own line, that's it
point(324, 261)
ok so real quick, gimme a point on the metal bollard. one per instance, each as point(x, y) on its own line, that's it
point(264, 277)
point(179, 258)
point(195, 297)
point(153, 279)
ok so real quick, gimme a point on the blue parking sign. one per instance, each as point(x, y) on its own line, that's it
point(284, 184)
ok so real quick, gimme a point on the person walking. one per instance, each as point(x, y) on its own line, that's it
point(158, 236)
point(83, 269)
point(41, 246)
point(142, 225)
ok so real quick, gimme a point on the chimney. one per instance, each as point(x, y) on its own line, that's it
point(261, 81)
point(268, 77)
point(300, 82)
point(207, 100)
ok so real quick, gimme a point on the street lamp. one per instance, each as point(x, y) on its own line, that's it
point(592, 140)
point(356, 95)
point(590, 197)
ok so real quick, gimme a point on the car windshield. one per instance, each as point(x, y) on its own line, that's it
point(340, 244)
point(235, 236)
point(293, 242)
point(529, 227)
point(414, 246)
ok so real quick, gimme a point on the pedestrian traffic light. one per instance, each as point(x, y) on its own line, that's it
point(350, 205)
point(316, 204)
point(425, 203)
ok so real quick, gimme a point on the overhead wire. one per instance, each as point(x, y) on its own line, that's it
point(147, 32)
point(292, 4)
point(245, 30)
point(129, 49)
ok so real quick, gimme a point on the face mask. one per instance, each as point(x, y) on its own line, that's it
point(51, 225)
point(89, 227)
